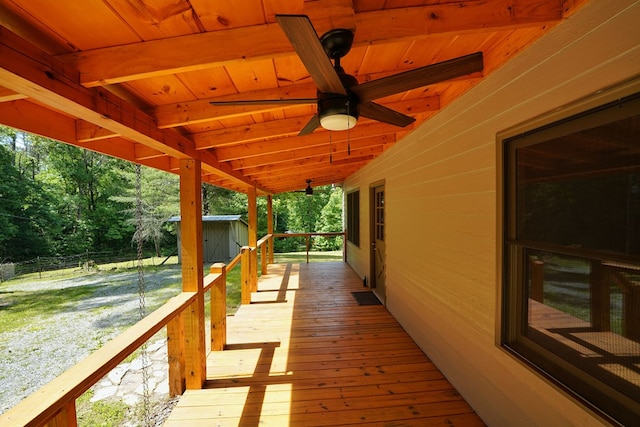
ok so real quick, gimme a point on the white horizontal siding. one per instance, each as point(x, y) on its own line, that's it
point(442, 277)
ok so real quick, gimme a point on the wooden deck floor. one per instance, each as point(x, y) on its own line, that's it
point(304, 353)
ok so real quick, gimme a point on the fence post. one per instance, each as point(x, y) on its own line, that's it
point(219, 308)
point(245, 274)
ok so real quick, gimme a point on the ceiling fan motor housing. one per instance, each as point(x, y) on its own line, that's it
point(337, 111)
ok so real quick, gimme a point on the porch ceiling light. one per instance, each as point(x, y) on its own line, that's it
point(337, 112)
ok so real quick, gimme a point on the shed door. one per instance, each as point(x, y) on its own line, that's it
point(216, 242)
point(377, 242)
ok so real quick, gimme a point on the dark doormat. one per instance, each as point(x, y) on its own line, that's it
point(366, 298)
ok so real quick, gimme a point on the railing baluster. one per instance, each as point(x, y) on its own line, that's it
point(219, 308)
point(245, 275)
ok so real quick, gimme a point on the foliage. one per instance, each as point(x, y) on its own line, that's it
point(160, 200)
point(59, 200)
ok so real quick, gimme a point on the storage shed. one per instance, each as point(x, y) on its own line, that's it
point(222, 237)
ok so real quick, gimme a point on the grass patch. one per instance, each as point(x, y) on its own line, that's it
point(20, 309)
point(101, 413)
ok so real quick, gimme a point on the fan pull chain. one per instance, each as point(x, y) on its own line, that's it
point(348, 129)
point(330, 148)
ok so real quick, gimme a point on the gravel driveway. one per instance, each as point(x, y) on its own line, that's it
point(55, 341)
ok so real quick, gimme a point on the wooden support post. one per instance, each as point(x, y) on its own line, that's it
point(245, 275)
point(219, 308)
point(536, 275)
point(192, 271)
point(307, 237)
point(631, 320)
point(66, 417)
point(175, 350)
point(270, 227)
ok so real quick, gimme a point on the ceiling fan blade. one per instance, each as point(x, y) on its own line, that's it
point(384, 114)
point(311, 125)
point(419, 77)
point(266, 101)
point(304, 39)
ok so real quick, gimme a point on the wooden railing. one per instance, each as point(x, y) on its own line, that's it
point(56, 400)
point(308, 237)
point(55, 403)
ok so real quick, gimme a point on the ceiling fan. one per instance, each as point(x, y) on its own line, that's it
point(309, 191)
point(341, 99)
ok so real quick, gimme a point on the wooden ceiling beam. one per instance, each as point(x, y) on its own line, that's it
point(333, 174)
point(199, 111)
point(38, 120)
point(292, 126)
point(319, 158)
point(86, 131)
point(465, 16)
point(284, 145)
point(200, 51)
point(28, 70)
point(9, 95)
point(305, 153)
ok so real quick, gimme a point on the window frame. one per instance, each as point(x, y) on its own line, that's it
point(599, 396)
point(353, 217)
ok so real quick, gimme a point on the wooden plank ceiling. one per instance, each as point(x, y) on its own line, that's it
point(134, 79)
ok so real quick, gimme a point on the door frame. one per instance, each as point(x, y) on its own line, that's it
point(372, 239)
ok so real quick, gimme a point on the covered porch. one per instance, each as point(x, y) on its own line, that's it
point(304, 352)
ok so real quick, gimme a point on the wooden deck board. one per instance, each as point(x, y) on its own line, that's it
point(305, 353)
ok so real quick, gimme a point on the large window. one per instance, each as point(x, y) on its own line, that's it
point(571, 297)
point(353, 217)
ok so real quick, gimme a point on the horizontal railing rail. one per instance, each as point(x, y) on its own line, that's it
point(308, 237)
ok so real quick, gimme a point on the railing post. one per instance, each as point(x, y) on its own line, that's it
point(537, 280)
point(219, 308)
point(600, 295)
point(66, 417)
point(263, 257)
point(245, 275)
point(175, 352)
point(270, 227)
point(254, 269)
point(307, 237)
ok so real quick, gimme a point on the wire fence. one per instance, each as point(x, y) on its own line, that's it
point(83, 261)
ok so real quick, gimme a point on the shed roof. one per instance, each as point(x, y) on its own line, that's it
point(212, 218)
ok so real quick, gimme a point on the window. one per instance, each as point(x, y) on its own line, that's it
point(571, 294)
point(353, 217)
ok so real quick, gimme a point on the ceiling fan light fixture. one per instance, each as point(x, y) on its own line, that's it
point(308, 191)
point(338, 122)
point(337, 112)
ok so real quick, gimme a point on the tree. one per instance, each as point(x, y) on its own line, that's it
point(160, 200)
point(330, 220)
point(26, 223)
